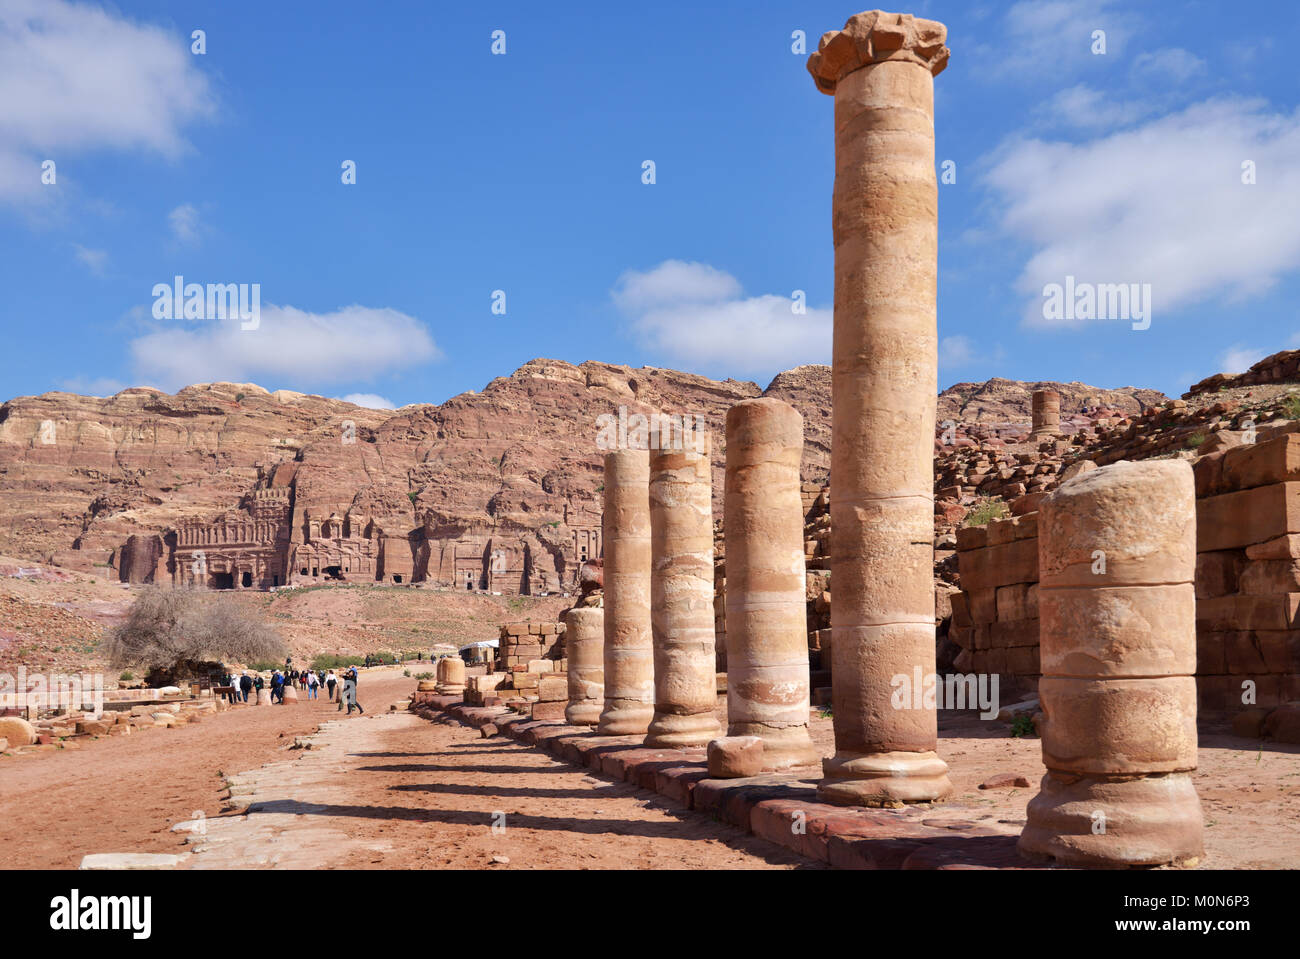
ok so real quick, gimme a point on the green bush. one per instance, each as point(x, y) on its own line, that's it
point(985, 510)
point(1023, 727)
point(1291, 406)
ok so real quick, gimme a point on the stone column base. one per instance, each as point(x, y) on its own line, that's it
point(676, 731)
point(783, 747)
point(1114, 823)
point(582, 714)
point(883, 779)
point(625, 717)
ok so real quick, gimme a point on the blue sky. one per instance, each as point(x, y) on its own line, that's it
point(523, 173)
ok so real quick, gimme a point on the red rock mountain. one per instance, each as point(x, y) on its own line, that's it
point(498, 489)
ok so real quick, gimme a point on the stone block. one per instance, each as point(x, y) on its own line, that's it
point(735, 757)
point(1013, 603)
point(1264, 576)
point(983, 605)
point(1283, 724)
point(1243, 518)
point(553, 688)
point(1230, 613)
point(548, 710)
point(1249, 723)
point(1218, 573)
point(1022, 632)
point(972, 537)
point(1262, 464)
point(18, 731)
point(961, 615)
point(1000, 565)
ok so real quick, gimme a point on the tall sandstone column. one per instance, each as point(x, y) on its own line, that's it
point(1046, 413)
point(880, 69)
point(767, 619)
point(1117, 557)
point(681, 584)
point(628, 654)
point(584, 648)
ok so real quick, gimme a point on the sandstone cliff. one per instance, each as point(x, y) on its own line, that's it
point(499, 486)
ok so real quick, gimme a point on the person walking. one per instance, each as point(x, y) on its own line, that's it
point(350, 690)
point(277, 687)
point(330, 682)
point(245, 686)
point(313, 684)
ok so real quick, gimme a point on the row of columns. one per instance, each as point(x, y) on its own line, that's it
point(1118, 641)
point(656, 668)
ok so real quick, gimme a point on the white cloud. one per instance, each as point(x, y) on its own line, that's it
point(1238, 358)
point(184, 221)
point(1085, 108)
point(76, 77)
point(1169, 63)
point(94, 386)
point(371, 401)
point(94, 260)
point(956, 351)
point(1162, 203)
point(289, 346)
point(673, 282)
point(961, 351)
point(696, 315)
point(1055, 36)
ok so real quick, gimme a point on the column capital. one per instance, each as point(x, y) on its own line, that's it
point(875, 36)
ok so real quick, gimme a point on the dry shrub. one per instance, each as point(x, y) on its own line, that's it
point(183, 631)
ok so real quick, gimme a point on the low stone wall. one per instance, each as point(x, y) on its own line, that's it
point(995, 616)
point(521, 643)
point(1248, 574)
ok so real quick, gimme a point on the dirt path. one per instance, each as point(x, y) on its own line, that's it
point(394, 791)
point(123, 794)
point(383, 791)
point(398, 792)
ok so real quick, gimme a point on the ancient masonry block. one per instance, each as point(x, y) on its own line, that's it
point(767, 638)
point(995, 617)
point(1117, 553)
point(880, 69)
point(628, 653)
point(585, 645)
point(681, 586)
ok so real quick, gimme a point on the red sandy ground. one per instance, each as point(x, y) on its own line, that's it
point(124, 794)
point(428, 789)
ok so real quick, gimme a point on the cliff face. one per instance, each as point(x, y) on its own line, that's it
point(999, 401)
point(508, 478)
point(496, 489)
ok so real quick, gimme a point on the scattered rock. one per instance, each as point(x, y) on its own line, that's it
point(1006, 781)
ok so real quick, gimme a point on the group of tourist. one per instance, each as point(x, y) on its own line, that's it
point(241, 685)
point(309, 680)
